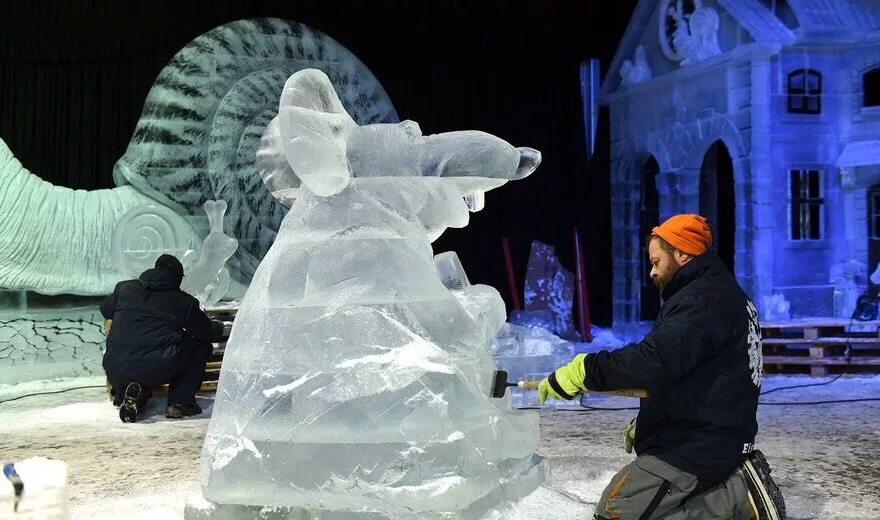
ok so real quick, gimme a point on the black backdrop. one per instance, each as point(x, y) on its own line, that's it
point(74, 75)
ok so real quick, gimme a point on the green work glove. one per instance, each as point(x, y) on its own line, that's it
point(566, 383)
point(629, 436)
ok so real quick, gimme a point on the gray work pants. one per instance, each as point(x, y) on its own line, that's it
point(650, 489)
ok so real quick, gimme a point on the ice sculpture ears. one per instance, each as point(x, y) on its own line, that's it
point(215, 210)
point(313, 127)
point(283, 183)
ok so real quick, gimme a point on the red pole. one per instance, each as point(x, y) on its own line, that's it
point(581, 283)
point(511, 279)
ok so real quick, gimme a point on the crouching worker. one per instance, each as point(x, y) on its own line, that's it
point(701, 364)
point(159, 335)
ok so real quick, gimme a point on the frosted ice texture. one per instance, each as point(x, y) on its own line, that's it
point(146, 232)
point(775, 308)
point(354, 380)
point(196, 140)
point(206, 277)
point(549, 293)
point(529, 353)
point(204, 117)
point(57, 240)
point(848, 280)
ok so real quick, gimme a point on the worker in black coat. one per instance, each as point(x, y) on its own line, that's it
point(159, 335)
point(702, 366)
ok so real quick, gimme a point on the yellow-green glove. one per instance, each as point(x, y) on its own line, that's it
point(629, 436)
point(566, 383)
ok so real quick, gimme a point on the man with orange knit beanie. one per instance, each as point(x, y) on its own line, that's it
point(701, 364)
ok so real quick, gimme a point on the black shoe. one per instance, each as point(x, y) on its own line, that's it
point(128, 411)
point(765, 499)
point(179, 411)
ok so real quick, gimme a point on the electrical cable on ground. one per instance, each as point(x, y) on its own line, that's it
point(49, 393)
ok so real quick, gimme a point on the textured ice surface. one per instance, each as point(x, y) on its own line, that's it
point(529, 353)
point(549, 292)
point(206, 277)
point(354, 381)
point(848, 279)
point(57, 240)
point(146, 232)
point(205, 115)
point(196, 140)
point(775, 308)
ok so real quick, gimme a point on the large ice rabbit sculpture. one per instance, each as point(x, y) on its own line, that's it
point(357, 377)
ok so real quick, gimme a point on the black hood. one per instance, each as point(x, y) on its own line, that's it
point(160, 279)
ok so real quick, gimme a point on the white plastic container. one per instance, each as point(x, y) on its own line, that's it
point(43, 493)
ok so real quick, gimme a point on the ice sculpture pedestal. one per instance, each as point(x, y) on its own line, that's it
point(537, 470)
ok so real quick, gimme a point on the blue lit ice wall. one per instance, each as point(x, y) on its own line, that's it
point(783, 92)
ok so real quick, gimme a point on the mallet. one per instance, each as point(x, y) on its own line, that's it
point(500, 384)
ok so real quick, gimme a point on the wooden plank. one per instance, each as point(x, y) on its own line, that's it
point(831, 360)
point(821, 341)
point(816, 322)
point(818, 352)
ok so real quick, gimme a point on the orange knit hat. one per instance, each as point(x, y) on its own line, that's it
point(688, 233)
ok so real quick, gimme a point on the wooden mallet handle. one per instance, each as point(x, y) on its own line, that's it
point(640, 393)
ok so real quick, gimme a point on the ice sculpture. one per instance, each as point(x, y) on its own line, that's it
point(206, 277)
point(775, 308)
point(356, 384)
point(549, 293)
point(529, 353)
point(207, 111)
point(637, 71)
point(695, 37)
point(848, 279)
point(196, 140)
point(146, 232)
point(55, 239)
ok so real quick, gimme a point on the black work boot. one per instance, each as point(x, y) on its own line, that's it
point(765, 499)
point(179, 411)
point(128, 411)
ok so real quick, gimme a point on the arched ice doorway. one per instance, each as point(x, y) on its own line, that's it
point(718, 201)
point(649, 216)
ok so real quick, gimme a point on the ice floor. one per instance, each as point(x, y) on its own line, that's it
point(826, 457)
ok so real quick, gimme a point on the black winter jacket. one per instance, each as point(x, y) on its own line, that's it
point(702, 365)
point(149, 317)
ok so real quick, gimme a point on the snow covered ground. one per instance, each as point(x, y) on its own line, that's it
point(825, 457)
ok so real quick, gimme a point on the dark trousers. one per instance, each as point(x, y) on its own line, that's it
point(650, 489)
point(183, 375)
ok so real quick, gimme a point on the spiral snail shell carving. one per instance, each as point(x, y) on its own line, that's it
point(203, 119)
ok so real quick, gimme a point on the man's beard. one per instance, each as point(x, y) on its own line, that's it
point(662, 280)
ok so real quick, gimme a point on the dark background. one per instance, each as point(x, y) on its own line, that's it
point(74, 76)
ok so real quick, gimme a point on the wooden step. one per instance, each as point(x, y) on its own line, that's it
point(822, 361)
point(822, 341)
point(820, 323)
